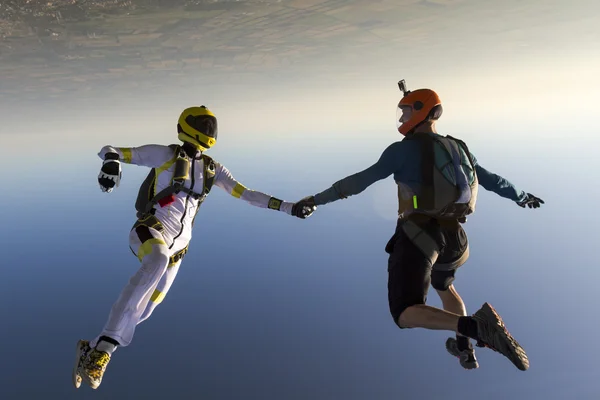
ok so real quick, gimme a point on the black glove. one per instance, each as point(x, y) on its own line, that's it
point(530, 201)
point(304, 208)
point(110, 173)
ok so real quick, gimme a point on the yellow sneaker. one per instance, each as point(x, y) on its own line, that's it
point(93, 367)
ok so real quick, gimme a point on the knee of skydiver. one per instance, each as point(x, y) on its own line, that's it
point(446, 292)
point(441, 284)
point(154, 264)
point(400, 316)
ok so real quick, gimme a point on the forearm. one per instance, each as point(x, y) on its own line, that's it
point(228, 183)
point(499, 185)
point(263, 200)
point(389, 162)
point(349, 186)
point(148, 155)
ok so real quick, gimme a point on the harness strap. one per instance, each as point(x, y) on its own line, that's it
point(180, 175)
point(178, 256)
point(150, 221)
point(422, 240)
point(208, 180)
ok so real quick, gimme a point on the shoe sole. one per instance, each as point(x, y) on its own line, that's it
point(452, 348)
point(516, 354)
point(76, 377)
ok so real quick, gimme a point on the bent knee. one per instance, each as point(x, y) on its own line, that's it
point(156, 261)
point(442, 285)
point(442, 280)
point(154, 247)
point(152, 269)
point(398, 314)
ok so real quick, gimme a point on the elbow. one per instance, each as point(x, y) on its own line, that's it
point(344, 193)
point(338, 191)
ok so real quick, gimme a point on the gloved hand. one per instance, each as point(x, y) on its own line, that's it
point(304, 208)
point(110, 173)
point(531, 201)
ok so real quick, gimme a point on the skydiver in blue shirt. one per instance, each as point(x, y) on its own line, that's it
point(438, 179)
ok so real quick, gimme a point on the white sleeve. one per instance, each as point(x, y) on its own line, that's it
point(227, 182)
point(149, 155)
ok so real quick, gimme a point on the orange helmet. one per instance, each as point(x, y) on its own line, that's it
point(424, 104)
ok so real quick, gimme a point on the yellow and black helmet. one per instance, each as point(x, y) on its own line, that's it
point(198, 126)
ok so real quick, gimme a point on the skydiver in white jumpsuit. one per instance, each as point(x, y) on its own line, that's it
point(168, 200)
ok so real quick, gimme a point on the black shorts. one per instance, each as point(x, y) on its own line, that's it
point(410, 271)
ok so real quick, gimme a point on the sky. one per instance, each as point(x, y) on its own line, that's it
point(265, 305)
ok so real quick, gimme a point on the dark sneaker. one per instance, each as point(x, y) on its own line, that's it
point(494, 335)
point(466, 357)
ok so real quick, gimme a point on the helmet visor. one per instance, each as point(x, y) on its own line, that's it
point(205, 124)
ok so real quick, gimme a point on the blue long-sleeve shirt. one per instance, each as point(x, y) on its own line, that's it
point(403, 160)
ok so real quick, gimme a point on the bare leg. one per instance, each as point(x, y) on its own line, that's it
point(460, 346)
point(452, 301)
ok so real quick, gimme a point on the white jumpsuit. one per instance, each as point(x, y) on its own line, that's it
point(149, 285)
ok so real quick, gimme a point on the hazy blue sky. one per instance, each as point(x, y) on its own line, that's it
point(267, 306)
